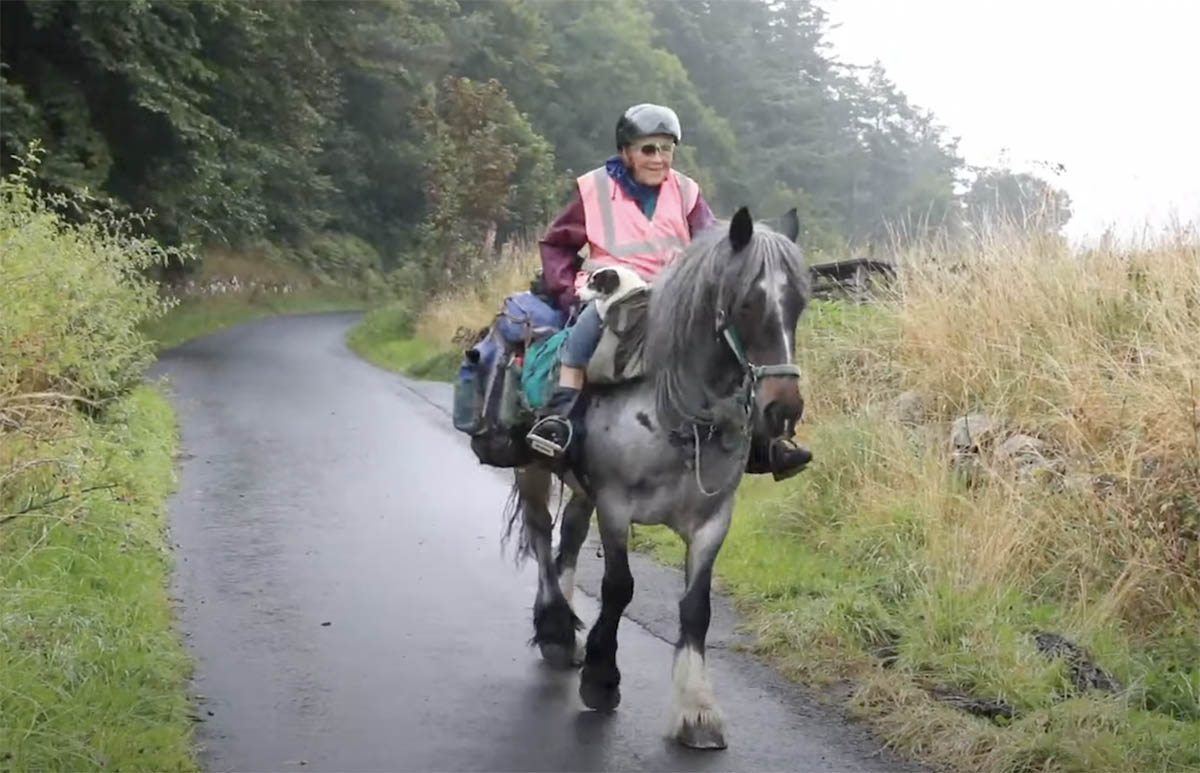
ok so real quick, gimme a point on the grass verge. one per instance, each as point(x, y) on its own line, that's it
point(427, 342)
point(94, 676)
point(385, 338)
point(197, 317)
point(231, 288)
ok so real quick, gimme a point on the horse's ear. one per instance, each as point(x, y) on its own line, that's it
point(741, 229)
point(791, 225)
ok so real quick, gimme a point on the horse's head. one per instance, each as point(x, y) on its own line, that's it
point(759, 323)
point(727, 309)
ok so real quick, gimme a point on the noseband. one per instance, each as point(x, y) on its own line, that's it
point(753, 373)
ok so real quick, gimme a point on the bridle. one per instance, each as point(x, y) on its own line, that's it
point(751, 375)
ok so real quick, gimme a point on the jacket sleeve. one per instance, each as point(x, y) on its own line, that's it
point(701, 217)
point(560, 248)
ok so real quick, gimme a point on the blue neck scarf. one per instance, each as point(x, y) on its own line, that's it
point(645, 195)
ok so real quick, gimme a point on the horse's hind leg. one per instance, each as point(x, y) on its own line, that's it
point(576, 520)
point(697, 720)
point(599, 684)
point(554, 624)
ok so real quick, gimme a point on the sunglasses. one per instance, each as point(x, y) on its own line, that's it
point(650, 148)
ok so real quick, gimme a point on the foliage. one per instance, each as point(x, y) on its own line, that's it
point(481, 145)
point(94, 675)
point(436, 130)
point(71, 298)
point(1003, 196)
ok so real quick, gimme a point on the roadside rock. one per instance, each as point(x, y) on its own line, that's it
point(1028, 457)
point(968, 434)
point(909, 408)
point(1085, 674)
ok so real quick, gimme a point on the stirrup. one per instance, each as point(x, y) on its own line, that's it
point(545, 446)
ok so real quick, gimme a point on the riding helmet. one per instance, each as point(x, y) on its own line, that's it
point(646, 119)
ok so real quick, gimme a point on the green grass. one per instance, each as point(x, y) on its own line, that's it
point(195, 318)
point(385, 338)
point(92, 673)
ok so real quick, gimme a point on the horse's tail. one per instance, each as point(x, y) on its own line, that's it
point(515, 522)
point(530, 496)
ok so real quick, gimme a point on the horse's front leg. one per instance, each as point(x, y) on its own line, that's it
point(698, 721)
point(554, 623)
point(599, 684)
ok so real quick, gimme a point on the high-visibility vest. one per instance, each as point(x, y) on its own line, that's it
point(620, 234)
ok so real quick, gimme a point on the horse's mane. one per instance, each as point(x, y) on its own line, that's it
point(681, 337)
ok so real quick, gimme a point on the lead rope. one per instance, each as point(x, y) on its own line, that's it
point(749, 391)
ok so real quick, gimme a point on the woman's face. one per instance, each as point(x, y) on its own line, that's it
point(649, 158)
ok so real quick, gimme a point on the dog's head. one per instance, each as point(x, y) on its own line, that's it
point(604, 282)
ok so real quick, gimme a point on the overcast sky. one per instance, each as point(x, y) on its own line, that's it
point(1109, 89)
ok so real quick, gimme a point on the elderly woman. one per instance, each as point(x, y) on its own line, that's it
point(638, 212)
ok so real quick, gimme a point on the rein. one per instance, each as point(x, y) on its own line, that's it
point(751, 375)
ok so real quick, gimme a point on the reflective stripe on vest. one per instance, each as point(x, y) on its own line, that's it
point(661, 238)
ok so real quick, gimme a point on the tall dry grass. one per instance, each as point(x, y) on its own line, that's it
point(1096, 353)
point(451, 317)
point(890, 540)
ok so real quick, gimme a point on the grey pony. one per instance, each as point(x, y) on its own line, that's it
point(671, 449)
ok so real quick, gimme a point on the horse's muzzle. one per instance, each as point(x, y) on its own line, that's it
point(782, 405)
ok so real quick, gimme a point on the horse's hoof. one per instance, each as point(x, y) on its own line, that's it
point(599, 697)
point(701, 735)
point(559, 656)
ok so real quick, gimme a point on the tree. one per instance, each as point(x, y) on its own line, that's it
point(320, 125)
point(488, 172)
point(1001, 197)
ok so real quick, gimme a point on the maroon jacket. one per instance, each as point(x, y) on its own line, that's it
point(567, 236)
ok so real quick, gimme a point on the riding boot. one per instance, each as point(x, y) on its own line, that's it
point(787, 458)
point(779, 456)
point(552, 433)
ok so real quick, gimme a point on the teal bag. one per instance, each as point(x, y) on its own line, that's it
point(540, 373)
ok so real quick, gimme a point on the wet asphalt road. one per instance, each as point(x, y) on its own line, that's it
point(341, 586)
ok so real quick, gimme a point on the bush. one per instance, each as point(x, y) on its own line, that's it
point(93, 673)
point(72, 295)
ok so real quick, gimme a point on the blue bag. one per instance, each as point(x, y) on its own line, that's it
point(489, 389)
point(525, 317)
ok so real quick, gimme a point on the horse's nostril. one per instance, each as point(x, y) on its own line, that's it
point(778, 414)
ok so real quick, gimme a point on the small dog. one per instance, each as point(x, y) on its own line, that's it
point(608, 285)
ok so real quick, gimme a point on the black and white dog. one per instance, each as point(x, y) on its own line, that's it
point(608, 285)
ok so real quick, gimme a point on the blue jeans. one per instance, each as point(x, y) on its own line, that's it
point(583, 339)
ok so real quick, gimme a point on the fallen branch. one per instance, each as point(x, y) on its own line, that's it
point(51, 396)
point(18, 469)
point(42, 505)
